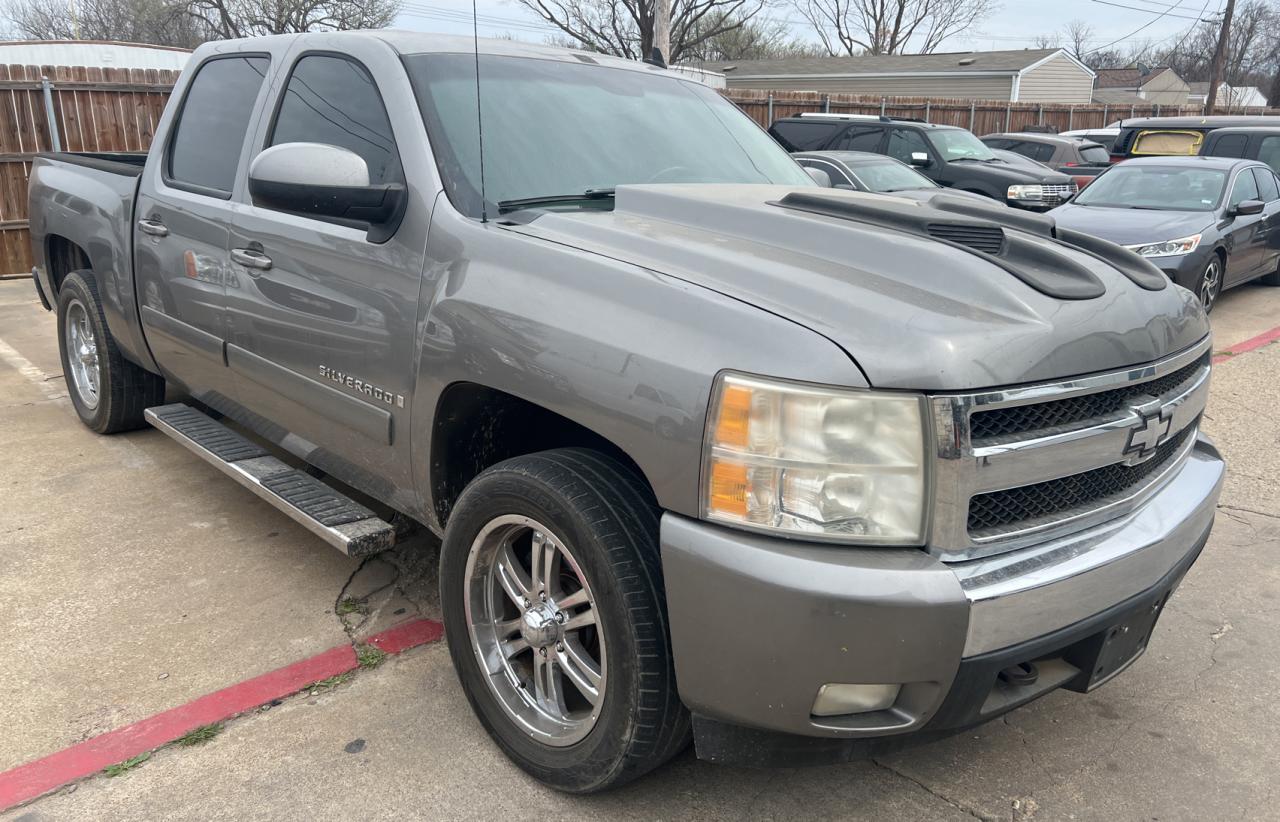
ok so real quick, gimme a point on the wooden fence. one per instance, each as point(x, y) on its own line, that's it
point(94, 109)
point(979, 116)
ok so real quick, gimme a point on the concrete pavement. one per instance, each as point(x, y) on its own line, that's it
point(128, 559)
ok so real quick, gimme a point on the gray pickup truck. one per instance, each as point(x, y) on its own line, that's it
point(715, 453)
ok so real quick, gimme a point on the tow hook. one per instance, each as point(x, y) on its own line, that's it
point(1024, 673)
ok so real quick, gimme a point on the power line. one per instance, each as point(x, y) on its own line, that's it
point(1159, 15)
point(1150, 22)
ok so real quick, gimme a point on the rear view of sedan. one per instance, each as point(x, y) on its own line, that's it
point(864, 171)
point(1208, 222)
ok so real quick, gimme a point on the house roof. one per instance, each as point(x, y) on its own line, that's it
point(1127, 77)
point(1116, 96)
point(961, 62)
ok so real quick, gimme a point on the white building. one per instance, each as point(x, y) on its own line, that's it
point(92, 53)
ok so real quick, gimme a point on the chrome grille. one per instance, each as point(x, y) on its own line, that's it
point(1021, 465)
point(1059, 193)
point(1072, 411)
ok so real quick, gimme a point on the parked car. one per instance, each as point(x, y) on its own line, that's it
point(1209, 223)
point(1105, 137)
point(1173, 136)
point(790, 472)
point(1080, 160)
point(1260, 143)
point(863, 171)
point(950, 156)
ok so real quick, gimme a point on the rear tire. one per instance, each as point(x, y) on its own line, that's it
point(596, 525)
point(108, 392)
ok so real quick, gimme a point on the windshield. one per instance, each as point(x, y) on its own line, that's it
point(891, 177)
point(555, 128)
point(958, 144)
point(1165, 188)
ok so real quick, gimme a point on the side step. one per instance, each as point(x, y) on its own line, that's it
point(338, 520)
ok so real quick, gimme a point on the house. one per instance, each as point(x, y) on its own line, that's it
point(1228, 96)
point(1149, 86)
point(1025, 75)
point(92, 53)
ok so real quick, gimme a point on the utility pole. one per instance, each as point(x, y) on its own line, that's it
point(662, 29)
point(1219, 58)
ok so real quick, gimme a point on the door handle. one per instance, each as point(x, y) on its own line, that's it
point(153, 227)
point(251, 258)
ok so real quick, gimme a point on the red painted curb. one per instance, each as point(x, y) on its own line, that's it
point(26, 782)
point(1265, 338)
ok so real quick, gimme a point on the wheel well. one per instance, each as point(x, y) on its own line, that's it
point(62, 257)
point(476, 427)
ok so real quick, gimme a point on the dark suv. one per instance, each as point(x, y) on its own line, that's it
point(948, 155)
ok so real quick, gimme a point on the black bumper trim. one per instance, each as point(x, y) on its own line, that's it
point(976, 695)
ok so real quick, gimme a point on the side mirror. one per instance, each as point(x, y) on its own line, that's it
point(819, 176)
point(325, 181)
point(1246, 207)
point(921, 159)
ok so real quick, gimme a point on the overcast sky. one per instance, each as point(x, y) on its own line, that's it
point(1015, 25)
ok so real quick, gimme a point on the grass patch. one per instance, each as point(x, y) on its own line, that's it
point(199, 736)
point(328, 684)
point(127, 765)
point(350, 605)
point(369, 656)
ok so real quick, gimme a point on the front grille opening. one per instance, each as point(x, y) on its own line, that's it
point(987, 239)
point(999, 512)
point(1074, 411)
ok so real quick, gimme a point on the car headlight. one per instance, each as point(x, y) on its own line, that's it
point(819, 463)
point(1025, 193)
point(1169, 248)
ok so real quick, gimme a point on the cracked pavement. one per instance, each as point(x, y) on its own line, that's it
point(128, 559)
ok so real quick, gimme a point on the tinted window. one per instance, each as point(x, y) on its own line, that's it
point(1095, 155)
point(1043, 152)
point(797, 135)
point(860, 138)
point(1266, 184)
point(333, 100)
point(903, 143)
point(1231, 145)
point(1245, 188)
point(1269, 152)
point(214, 120)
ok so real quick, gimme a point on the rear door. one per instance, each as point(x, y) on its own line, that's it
point(321, 335)
point(183, 214)
point(1248, 232)
point(1269, 193)
point(860, 137)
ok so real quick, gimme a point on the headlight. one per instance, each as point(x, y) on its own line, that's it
point(1169, 248)
point(1025, 193)
point(820, 463)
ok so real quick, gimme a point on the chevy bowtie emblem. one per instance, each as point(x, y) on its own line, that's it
point(1150, 432)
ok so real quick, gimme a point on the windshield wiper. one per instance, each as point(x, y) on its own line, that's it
point(505, 206)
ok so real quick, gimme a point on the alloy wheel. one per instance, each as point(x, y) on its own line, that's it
point(82, 354)
point(1210, 284)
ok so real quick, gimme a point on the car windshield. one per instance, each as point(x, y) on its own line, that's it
point(890, 177)
point(558, 128)
point(1166, 188)
point(958, 144)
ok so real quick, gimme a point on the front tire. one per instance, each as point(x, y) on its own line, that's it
point(1209, 284)
point(551, 587)
point(108, 392)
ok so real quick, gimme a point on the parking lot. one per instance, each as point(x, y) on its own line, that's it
point(136, 579)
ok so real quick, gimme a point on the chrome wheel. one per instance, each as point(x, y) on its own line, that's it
point(1210, 283)
point(533, 626)
point(82, 354)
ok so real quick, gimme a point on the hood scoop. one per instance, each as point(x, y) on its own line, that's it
point(1012, 240)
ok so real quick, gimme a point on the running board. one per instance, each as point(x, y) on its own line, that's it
point(337, 519)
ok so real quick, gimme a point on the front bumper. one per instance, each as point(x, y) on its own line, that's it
point(758, 625)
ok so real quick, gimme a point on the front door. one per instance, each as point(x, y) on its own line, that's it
point(321, 334)
point(183, 213)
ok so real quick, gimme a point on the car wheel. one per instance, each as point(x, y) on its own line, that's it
point(1209, 284)
point(551, 587)
point(108, 392)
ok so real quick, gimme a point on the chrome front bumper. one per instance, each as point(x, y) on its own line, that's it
point(758, 625)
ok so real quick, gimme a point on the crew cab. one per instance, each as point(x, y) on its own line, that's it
point(950, 156)
point(1174, 136)
point(1247, 142)
point(715, 454)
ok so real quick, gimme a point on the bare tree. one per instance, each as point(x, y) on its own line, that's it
point(847, 27)
point(1047, 41)
point(758, 38)
point(159, 22)
point(246, 18)
point(625, 27)
point(1077, 34)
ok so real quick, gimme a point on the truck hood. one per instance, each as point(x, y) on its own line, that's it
point(912, 311)
point(1006, 173)
point(1130, 226)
